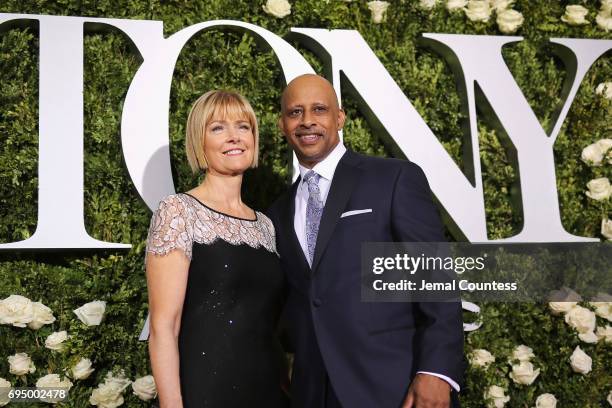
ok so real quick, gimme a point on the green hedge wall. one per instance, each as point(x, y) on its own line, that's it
point(114, 212)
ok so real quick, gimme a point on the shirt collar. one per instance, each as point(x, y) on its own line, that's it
point(327, 166)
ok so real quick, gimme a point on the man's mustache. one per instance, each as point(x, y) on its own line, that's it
point(315, 131)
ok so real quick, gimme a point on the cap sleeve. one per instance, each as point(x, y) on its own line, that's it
point(269, 238)
point(170, 228)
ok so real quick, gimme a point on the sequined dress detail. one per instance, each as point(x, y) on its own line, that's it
point(229, 353)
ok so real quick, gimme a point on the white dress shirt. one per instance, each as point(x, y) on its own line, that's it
point(326, 169)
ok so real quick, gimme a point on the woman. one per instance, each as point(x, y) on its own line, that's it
point(213, 274)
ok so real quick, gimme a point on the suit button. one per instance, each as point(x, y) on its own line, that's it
point(317, 302)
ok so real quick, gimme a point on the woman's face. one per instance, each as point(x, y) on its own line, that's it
point(229, 145)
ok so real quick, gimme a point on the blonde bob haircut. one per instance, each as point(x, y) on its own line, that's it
point(216, 105)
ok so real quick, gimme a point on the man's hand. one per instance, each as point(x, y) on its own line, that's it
point(428, 391)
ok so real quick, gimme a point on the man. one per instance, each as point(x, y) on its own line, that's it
point(350, 353)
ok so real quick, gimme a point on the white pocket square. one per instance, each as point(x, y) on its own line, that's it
point(355, 212)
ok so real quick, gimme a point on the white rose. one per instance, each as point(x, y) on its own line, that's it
point(594, 153)
point(580, 361)
point(456, 5)
point(378, 10)
point(603, 309)
point(3, 313)
point(604, 20)
point(609, 399)
point(523, 373)
point(588, 337)
point(546, 401)
point(599, 189)
point(427, 4)
point(109, 394)
point(521, 353)
point(5, 387)
point(495, 397)
point(478, 10)
point(82, 369)
point(16, 310)
point(606, 5)
point(53, 381)
point(91, 313)
point(120, 381)
point(55, 340)
point(277, 8)
point(509, 21)
point(601, 297)
point(606, 144)
point(144, 388)
point(106, 396)
point(20, 364)
point(558, 308)
point(41, 315)
point(575, 15)
point(481, 358)
point(604, 333)
point(500, 5)
point(606, 228)
point(581, 319)
point(604, 89)
point(563, 300)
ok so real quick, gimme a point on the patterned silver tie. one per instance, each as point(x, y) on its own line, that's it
point(314, 210)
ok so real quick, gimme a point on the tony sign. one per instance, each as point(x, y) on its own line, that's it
point(144, 126)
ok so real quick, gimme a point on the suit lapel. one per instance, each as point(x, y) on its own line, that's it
point(288, 229)
point(344, 180)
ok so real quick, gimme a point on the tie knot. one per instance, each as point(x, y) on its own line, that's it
point(312, 177)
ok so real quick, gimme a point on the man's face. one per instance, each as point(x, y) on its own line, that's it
point(310, 118)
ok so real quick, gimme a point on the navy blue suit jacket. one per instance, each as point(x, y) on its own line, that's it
point(371, 351)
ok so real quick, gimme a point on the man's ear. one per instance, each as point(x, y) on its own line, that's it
point(341, 118)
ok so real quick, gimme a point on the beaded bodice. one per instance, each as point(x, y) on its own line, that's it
point(180, 220)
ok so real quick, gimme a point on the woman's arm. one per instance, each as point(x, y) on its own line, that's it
point(166, 283)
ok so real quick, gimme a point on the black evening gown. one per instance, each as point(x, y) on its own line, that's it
point(229, 352)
